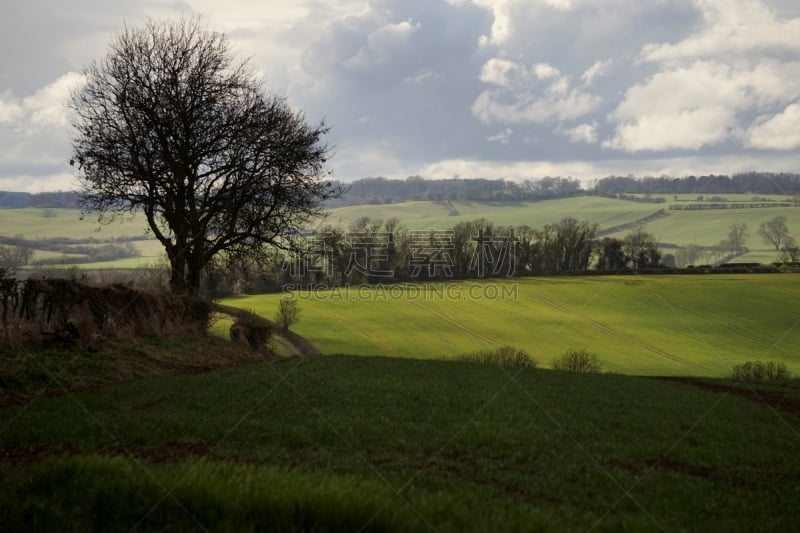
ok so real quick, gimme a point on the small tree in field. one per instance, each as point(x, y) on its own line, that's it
point(168, 124)
point(775, 232)
point(737, 235)
point(288, 313)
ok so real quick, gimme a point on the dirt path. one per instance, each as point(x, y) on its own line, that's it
point(298, 341)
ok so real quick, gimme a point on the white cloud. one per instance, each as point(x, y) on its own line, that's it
point(46, 108)
point(502, 137)
point(34, 134)
point(499, 72)
point(686, 108)
point(781, 132)
point(701, 104)
point(732, 27)
point(502, 25)
point(740, 64)
point(382, 44)
point(535, 94)
point(583, 133)
point(598, 69)
point(544, 71)
point(58, 181)
point(591, 170)
point(421, 76)
point(10, 109)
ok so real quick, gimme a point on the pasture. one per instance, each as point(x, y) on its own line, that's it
point(606, 212)
point(379, 444)
point(698, 325)
point(708, 227)
point(704, 228)
point(38, 223)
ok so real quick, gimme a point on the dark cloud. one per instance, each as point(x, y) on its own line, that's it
point(401, 77)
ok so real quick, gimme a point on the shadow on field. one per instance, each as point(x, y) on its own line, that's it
point(774, 399)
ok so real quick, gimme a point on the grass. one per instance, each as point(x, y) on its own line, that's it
point(433, 215)
point(709, 227)
point(354, 443)
point(704, 228)
point(32, 372)
point(32, 223)
point(656, 325)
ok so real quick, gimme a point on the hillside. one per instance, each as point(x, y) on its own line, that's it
point(676, 227)
point(376, 444)
point(656, 325)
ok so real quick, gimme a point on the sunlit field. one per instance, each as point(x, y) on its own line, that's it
point(655, 325)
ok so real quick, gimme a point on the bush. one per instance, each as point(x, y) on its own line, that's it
point(761, 371)
point(577, 361)
point(503, 356)
point(288, 313)
point(68, 313)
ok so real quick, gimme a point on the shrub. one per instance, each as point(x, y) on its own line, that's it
point(761, 371)
point(288, 313)
point(577, 361)
point(503, 356)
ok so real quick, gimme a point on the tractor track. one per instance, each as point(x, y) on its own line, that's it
point(453, 322)
point(614, 333)
point(764, 343)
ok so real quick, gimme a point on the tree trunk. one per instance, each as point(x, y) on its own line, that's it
point(194, 273)
point(177, 280)
point(177, 261)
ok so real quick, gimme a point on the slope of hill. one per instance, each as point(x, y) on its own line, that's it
point(376, 444)
point(684, 227)
point(606, 212)
point(656, 325)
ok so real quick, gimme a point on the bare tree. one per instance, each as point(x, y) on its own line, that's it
point(170, 125)
point(641, 249)
point(737, 234)
point(774, 231)
point(13, 257)
point(790, 253)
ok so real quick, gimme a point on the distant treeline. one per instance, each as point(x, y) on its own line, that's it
point(383, 190)
point(745, 183)
point(59, 199)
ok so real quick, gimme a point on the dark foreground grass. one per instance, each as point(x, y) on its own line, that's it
point(28, 372)
point(356, 443)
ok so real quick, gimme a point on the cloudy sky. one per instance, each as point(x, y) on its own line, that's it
point(476, 88)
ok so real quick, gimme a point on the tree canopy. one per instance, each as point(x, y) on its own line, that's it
point(171, 125)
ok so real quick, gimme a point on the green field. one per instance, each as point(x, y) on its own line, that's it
point(704, 228)
point(653, 325)
point(434, 215)
point(36, 223)
point(708, 227)
point(378, 444)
